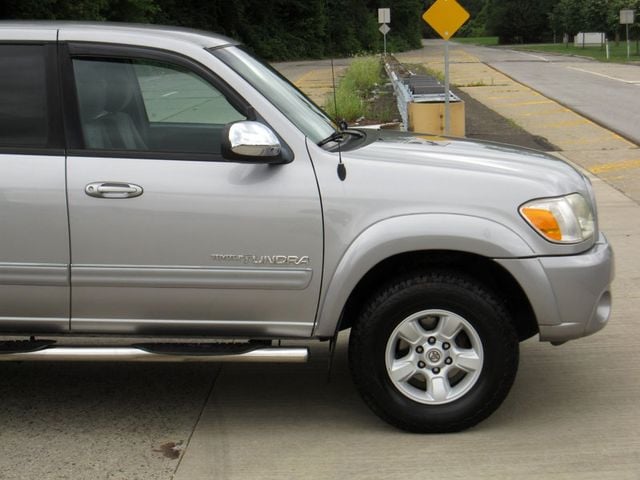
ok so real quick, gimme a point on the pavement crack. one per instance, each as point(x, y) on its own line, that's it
point(197, 422)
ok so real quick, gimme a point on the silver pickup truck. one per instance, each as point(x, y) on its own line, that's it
point(162, 182)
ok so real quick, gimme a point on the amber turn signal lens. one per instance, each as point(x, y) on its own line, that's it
point(544, 221)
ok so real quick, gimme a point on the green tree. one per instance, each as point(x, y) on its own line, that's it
point(477, 24)
point(284, 29)
point(573, 16)
point(406, 24)
point(564, 18)
point(117, 10)
point(518, 21)
point(612, 21)
point(140, 11)
point(202, 14)
point(275, 29)
point(53, 9)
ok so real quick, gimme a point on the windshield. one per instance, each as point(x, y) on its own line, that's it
point(301, 111)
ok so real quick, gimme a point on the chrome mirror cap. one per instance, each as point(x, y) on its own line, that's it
point(253, 139)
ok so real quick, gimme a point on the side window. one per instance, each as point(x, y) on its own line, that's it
point(23, 96)
point(175, 95)
point(144, 105)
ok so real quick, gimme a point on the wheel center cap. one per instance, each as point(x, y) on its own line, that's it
point(434, 356)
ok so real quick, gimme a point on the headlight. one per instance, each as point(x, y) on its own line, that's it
point(567, 219)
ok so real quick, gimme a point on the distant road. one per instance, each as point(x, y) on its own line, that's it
point(607, 93)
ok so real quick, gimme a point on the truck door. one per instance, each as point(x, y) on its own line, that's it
point(167, 236)
point(34, 241)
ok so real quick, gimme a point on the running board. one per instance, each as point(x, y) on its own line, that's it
point(171, 352)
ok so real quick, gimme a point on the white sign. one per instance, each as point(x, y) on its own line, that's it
point(589, 39)
point(384, 29)
point(384, 15)
point(627, 17)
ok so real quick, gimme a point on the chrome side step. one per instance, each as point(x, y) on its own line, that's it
point(146, 353)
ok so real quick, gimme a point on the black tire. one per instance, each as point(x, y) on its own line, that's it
point(425, 300)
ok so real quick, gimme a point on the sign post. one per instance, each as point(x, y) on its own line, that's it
point(627, 17)
point(384, 17)
point(384, 29)
point(446, 17)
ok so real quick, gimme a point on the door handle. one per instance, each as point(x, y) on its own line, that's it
point(113, 190)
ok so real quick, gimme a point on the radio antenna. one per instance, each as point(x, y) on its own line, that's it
point(342, 125)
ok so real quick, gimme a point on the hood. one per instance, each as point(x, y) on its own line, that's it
point(398, 174)
point(485, 158)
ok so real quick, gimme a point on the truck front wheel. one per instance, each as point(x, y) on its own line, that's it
point(433, 352)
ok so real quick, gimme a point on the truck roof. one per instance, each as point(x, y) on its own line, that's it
point(103, 31)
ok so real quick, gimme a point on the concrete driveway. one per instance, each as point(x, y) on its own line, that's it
point(572, 413)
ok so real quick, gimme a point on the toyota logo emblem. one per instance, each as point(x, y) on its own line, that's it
point(434, 356)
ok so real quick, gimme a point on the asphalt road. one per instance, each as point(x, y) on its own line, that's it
point(608, 94)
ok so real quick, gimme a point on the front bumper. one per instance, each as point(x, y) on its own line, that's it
point(570, 295)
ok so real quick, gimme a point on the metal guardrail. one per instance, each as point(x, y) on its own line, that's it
point(403, 96)
point(413, 88)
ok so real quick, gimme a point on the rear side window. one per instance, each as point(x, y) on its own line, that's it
point(23, 96)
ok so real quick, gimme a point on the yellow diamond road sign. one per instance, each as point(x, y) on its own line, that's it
point(446, 17)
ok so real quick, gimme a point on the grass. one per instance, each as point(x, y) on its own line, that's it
point(437, 74)
point(362, 74)
point(477, 83)
point(618, 53)
point(486, 41)
point(357, 91)
point(350, 105)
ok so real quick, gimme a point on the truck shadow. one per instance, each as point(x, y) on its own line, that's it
point(77, 420)
point(150, 397)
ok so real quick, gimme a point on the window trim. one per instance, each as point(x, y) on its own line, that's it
point(75, 140)
point(55, 125)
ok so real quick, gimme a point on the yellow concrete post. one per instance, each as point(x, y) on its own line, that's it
point(429, 118)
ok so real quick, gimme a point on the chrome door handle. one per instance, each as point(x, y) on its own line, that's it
point(113, 190)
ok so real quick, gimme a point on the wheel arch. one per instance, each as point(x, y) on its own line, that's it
point(399, 245)
point(482, 269)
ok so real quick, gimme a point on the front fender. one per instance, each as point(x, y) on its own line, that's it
point(410, 233)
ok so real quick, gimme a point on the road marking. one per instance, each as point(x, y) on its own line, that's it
point(554, 111)
point(503, 95)
point(593, 139)
point(611, 167)
point(533, 102)
point(304, 78)
point(169, 94)
point(531, 55)
point(631, 82)
point(320, 77)
point(567, 123)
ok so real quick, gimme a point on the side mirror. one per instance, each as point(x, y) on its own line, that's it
point(252, 142)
